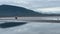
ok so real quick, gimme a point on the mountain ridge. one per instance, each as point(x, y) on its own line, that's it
point(12, 11)
point(9, 10)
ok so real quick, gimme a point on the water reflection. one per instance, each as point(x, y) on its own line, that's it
point(11, 24)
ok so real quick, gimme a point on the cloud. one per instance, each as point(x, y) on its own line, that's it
point(54, 10)
point(32, 4)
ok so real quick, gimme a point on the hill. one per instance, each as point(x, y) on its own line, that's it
point(9, 10)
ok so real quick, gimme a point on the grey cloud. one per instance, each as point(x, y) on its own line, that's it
point(32, 4)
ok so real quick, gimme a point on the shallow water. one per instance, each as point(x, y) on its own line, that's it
point(33, 28)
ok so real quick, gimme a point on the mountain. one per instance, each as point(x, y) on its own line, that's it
point(9, 10)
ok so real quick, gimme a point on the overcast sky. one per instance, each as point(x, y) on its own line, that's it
point(33, 4)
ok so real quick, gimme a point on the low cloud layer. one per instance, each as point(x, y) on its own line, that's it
point(32, 4)
point(51, 10)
